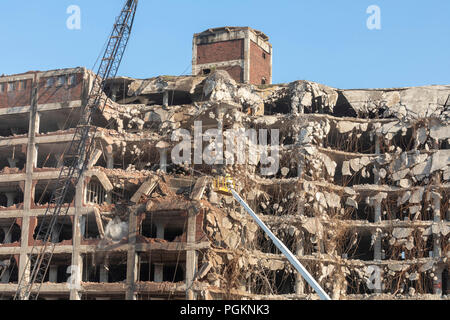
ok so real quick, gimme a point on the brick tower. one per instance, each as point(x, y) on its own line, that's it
point(242, 51)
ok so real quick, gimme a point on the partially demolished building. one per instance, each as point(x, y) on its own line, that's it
point(361, 192)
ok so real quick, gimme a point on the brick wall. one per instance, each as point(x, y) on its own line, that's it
point(19, 97)
point(220, 51)
point(235, 72)
point(259, 67)
point(56, 93)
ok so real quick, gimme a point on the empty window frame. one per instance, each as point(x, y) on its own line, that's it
point(72, 80)
point(23, 85)
point(61, 80)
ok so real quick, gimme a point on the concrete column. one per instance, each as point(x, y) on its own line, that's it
point(437, 238)
point(160, 230)
point(221, 110)
point(300, 200)
point(37, 122)
point(53, 274)
point(377, 151)
point(300, 169)
point(163, 160)
point(377, 143)
point(83, 220)
point(24, 261)
point(436, 206)
point(109, 157)
point(299, 282)
point(377, 250)
point(296, 107)
point(377, 181)
point(437, 250)
point(194, 57)
point(166, 98)
point(77, 259)
point(12, 162)
point(108, 197)
point(163, 148)
point(183, 267)
point(220, 115)
point(35, 156)
point(377, 210)
point(158, 272)
point(85, 192)
point(109, 162)
point(8, 235)
point(10, 198)
point(24, 269)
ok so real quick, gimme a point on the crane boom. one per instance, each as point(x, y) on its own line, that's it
point(78, 152)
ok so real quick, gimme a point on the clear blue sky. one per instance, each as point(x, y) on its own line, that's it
point(319, 40)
